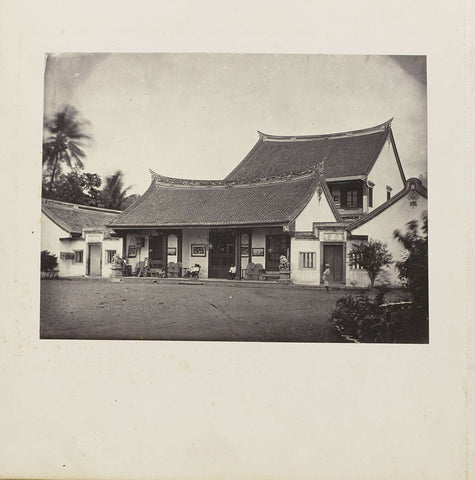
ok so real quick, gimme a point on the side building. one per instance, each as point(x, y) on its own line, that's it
point(77, 235)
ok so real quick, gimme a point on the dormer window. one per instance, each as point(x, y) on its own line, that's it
point(370, 196)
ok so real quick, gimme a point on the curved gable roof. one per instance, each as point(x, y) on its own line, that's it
point(171, 202)
point(343, 154)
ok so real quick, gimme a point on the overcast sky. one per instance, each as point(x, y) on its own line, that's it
point(197, 115)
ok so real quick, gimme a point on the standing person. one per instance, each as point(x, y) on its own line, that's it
point(326, 276)
point(232, 272)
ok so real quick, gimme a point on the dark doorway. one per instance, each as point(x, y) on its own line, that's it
point(276, 245)
point(333, 256)
point(222, 253)
point(157, 251)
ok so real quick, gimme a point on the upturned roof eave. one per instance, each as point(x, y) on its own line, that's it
point(365, 131)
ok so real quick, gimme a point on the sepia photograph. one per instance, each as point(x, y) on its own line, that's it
point(217, 240)
point(235, 197)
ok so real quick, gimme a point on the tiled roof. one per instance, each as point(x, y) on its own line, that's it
point(73, 218)
point(172, 202)
point(412, 183)
point(343, 154)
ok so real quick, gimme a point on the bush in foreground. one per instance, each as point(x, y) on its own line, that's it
point(374, 321)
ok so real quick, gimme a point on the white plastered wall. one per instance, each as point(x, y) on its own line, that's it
point(199, 237)
point(50, 235)
point(50, 240)
point(385, 172)
point(382, 228)
point(316, 210)
point(68, 268)
point(310, 276)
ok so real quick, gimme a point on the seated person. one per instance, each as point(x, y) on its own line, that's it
point(194, 270)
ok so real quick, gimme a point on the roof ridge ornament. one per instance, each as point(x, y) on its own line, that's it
point(161, 179)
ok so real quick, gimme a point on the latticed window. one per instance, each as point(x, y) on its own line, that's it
point(307, 260)
point(352, 198)
point(110, 255)
point(355, 260)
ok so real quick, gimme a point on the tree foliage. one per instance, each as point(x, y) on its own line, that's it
point(75, 187)
point(114, 193)
point(371, 257)
point(414, 268)
point(48, 261)
point(65, 139)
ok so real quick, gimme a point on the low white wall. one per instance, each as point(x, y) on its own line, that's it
point(310, 276)
point(68, 268)
point(382, 228)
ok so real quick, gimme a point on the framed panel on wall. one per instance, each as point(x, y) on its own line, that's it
point(198, 250)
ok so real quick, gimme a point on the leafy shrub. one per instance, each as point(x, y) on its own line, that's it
point(415, 266)
point(48, 261)
point(371, 257)
point(371, 321)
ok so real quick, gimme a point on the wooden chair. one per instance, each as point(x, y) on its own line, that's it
point(172, 270)
point(139, 269)
point(156, 269)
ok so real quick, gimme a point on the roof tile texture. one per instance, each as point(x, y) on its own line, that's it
point(343, 156)
point(170, 205)
point(75, 219)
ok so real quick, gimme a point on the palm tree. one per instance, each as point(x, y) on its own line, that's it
point(64, 145)
point(114, 194)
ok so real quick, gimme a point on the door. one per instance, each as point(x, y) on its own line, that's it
point(95, 260)
point(333, 256)
point(222, 253)
point(156, 251)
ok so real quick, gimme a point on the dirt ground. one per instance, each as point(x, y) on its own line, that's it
point(102, 309)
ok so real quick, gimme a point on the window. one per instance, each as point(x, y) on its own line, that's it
point(110, 255)
point(78, 254)
point(388, 192)
point(352, 198)
point(307, 259)
point(355, 261)
point(370, 196)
